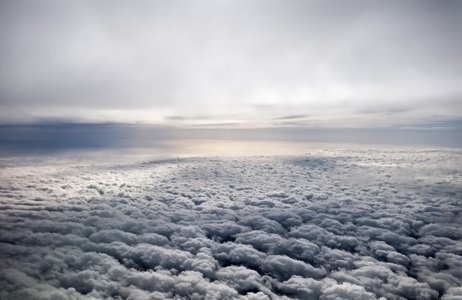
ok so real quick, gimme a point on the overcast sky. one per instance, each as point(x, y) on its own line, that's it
point(334, 63)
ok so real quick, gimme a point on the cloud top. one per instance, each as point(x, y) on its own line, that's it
point(336, 224)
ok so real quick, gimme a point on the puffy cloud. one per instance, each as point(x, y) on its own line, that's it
point(346, 291)
point(333, 224)
point(453, 294)
point(301, 287)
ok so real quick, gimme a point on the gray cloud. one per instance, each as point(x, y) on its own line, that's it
point(147, 61)
point(168, 141)
point(332, 224)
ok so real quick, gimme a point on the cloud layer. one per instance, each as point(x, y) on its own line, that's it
point(337, 224)
point(230, 61)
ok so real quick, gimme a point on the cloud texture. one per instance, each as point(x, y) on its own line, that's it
point(337, 224)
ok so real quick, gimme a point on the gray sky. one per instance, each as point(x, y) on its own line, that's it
point(257, 63)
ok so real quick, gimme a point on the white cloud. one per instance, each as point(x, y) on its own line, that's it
point(346, 291)
point(343, 236)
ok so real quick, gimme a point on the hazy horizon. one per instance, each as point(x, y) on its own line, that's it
point(168, 141)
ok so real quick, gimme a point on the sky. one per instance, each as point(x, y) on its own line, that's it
point(231, 63)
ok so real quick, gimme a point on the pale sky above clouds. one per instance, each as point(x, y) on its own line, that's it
point(260, 63)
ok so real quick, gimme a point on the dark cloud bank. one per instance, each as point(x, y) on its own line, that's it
point(336, 224)
point(52, 138)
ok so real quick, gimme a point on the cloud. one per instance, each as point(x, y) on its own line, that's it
point(331, 224)
point(346, 291)
point(146, 62)
point(57, 138)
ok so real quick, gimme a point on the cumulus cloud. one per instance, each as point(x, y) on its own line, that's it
point(334, 224)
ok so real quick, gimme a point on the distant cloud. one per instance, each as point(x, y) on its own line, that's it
point(291, 117)
point(47, 138)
